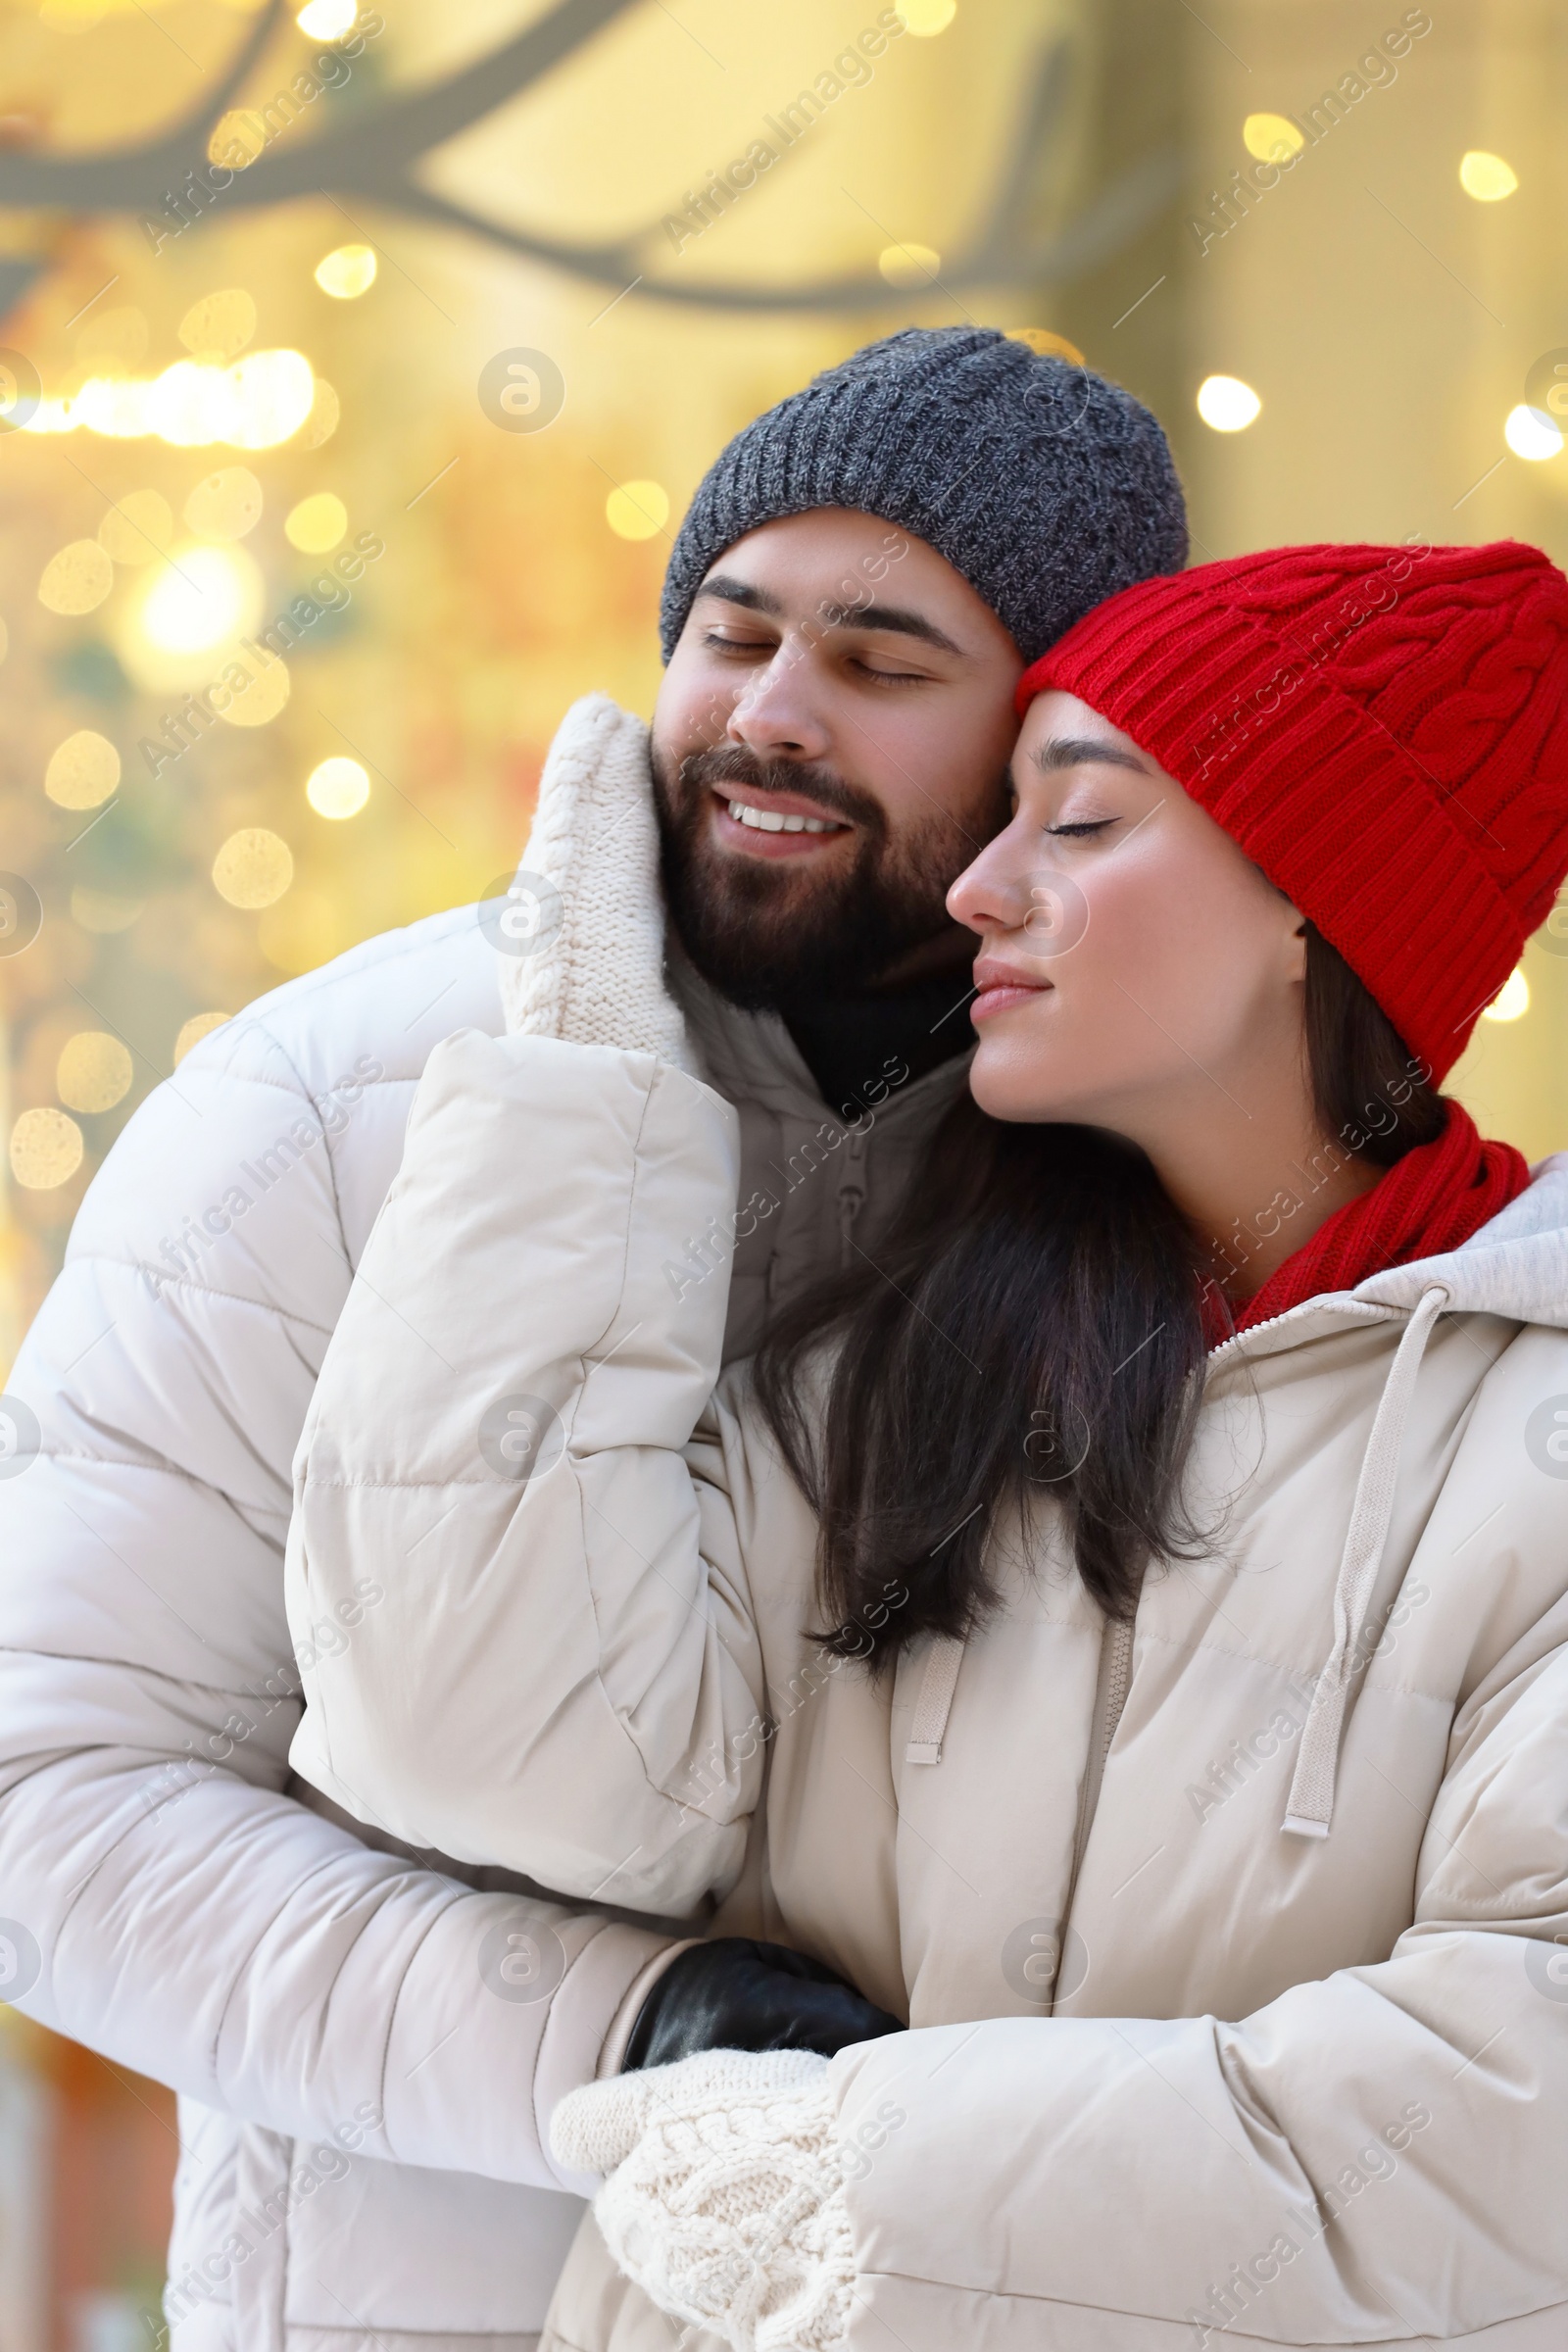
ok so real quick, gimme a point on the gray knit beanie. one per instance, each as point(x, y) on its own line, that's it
point(1046, 486)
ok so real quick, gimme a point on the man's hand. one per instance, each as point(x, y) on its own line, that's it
point(738, 1995)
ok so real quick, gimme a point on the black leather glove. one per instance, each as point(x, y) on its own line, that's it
point(738, 1995)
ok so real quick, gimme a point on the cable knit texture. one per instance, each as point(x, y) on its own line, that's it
point(1358, 717)
point(594, 970)
point(1046, 486)
point(726, 2199)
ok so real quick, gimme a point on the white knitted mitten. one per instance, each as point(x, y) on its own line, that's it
point(582, 954)
point(725, 2197)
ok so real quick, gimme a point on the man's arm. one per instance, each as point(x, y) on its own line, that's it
point(170, 1903)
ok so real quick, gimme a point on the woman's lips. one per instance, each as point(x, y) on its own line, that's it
point(1000, 995)
point(998, 988)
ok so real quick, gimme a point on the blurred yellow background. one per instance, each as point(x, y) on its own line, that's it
point(360, 366)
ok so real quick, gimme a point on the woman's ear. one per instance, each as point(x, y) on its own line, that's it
point(1296, 946)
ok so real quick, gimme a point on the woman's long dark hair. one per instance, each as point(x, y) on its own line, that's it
point(1031, 1326)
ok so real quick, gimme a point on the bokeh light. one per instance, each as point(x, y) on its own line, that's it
point(192, 1032)
point(84, 771)
point(347, 271)
point(253, 868)
point(200, 599)
point(77, 578)
point(1226, 404)
point(337, 788)
point(316, 524)
point(1531, 433)
point(102, 911)
point(1512, 1000)
point(224, 505)
point(637, 510)
point(927, 18)
point(1272, 137)
point(327, 19)
point(910, 265)
point(255, 404)
point(46, 1149)
point(1486, 176)
point(94, 1071)
point(219, 325)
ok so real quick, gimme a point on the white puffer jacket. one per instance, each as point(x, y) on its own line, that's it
point(1232, 1941)
point(368, 2039)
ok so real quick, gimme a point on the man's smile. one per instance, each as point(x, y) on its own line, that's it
point(772, 824)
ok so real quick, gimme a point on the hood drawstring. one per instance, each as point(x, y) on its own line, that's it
point(929, 1724)
point(1310, 1806)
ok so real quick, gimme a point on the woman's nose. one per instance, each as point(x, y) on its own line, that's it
point(986, 895)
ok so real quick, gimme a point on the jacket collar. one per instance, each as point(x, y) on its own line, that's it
point(1517, 1267)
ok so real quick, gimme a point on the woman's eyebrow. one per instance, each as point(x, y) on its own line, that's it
point(1081, 751)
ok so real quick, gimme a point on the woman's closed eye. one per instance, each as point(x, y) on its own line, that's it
point(1081, 828)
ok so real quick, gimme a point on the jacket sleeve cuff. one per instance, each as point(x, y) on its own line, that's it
point(612, 2057)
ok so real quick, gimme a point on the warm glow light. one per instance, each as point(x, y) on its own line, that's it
point(346, 272)
point(637, 510)
point(1487, 177)
point(199, 599)
point(256, 404)
point(82, 771)
point(337, 788)
point(1272, 137)
point(94, 1071)
point(927, 18)
point(192, 1032)
point(327, 19)
point(1226, 404)
point(136, 528)
point(910, 265)
point(316, 524)
point(253, 868)
point(46, 1149)
point(1511, 1001)
point(1530, 433)
point(77, 578)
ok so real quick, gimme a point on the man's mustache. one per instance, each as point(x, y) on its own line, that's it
point(733, 763)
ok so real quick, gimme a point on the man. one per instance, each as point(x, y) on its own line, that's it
point(858, 585)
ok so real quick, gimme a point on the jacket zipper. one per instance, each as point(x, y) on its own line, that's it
point(852, 1194)
point(1112, 1684)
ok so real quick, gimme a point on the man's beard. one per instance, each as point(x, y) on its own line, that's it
point(767, 933)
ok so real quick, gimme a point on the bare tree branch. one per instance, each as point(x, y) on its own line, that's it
point(371, 157)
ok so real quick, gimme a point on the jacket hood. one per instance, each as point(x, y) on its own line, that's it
point(1516, 1267)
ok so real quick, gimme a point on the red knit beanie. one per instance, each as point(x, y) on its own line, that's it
point(1384, 731)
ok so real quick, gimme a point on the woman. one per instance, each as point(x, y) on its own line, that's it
point(1124, 1637)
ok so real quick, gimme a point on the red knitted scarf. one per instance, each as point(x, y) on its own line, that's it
point(1429, 1202)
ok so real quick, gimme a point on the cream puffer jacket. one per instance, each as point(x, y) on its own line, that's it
point(1232, 1944)
point(1237, 1930)
point(364, 2060)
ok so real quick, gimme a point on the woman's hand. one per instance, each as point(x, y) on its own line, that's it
point(724, 2200)
point(734, 1993)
